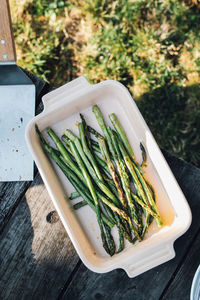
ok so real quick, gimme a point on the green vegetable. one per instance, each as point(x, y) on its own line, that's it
point(113, 184)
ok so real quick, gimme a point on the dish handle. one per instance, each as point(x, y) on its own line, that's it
point(72, 87)
point(154, 257)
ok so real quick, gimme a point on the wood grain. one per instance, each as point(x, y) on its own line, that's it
point(36, 256)
point(181, 285)
point(10, 195)
point(7, 47)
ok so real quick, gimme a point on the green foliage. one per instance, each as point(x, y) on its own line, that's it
point(42, 47)
point(151, 46)
point(170, 113)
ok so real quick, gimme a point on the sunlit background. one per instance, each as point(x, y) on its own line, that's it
point(152, 47)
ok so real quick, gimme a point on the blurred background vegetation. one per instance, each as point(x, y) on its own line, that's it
point(151, 46)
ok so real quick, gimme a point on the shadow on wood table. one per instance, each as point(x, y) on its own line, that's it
point(36, 255)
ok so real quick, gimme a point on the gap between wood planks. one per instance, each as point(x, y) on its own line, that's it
point(69, 280)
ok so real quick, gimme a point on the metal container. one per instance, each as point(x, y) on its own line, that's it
point(61, 111)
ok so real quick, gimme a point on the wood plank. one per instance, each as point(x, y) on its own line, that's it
point(150, 285)
point(10, 195)
point(36, 256)
point(181, 285)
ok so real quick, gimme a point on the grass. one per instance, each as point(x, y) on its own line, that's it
point(152, 47)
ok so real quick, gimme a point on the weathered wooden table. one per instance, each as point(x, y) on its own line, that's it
point(38, 261)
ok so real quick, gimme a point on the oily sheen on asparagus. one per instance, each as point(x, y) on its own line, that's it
point(104, 172)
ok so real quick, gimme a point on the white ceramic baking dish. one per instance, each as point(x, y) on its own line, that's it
point(61, 111)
